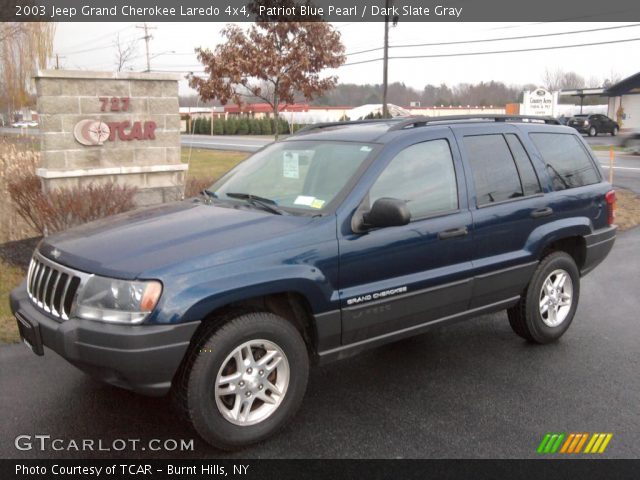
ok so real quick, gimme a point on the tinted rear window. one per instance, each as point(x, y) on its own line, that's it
point(566, 160)
point(494, 172)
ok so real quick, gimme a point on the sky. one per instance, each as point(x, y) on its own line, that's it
point(90, 46)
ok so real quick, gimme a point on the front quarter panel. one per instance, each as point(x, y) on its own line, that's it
point(305, 262)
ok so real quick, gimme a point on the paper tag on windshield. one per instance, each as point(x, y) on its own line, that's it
point(290, 165)
point(304, 200)
point(317, 203)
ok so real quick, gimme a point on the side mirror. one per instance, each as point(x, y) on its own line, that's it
point(387, 212)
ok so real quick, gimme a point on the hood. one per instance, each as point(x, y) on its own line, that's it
point(130, 244)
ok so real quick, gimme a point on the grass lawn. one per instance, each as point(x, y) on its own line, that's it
point(606, 148)
point(211, 164)
point(10, 277)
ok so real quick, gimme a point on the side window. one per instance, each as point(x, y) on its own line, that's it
point(528, 177)
point(424, 176)
point(566, 160)
point(494, 172)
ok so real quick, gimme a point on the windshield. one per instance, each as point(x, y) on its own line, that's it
point(305, 175)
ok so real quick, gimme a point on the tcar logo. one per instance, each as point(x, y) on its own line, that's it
point(91, 132)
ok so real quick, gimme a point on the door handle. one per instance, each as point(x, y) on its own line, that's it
point(452, 233)
point(542, 212)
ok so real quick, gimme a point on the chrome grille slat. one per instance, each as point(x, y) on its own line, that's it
point(45, 278)
point(42, 292)
point(30, 272)
point(34, 272)
point(48, 289)
point(64, 295)
point(36, 290)
point(53, 294)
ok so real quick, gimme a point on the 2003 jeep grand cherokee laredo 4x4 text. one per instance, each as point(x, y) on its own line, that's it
point(340, 238)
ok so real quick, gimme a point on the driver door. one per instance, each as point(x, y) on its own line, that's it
point(398, 277)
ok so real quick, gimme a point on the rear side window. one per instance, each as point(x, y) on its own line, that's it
point(566, 160)
point(494, 172)
point(423, 175)
point(528, 177)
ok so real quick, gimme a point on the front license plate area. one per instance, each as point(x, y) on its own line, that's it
point(30, 335)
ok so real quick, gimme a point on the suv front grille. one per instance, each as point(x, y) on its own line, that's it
point(53, 287)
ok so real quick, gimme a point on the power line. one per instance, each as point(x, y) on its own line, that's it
point(96, 39)
point(96, 48)
point(461, 42)
point(470, 54)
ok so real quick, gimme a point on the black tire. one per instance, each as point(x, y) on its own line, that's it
point(525, 317)
point(614, 132)
point(593, 131)
point(201, 370)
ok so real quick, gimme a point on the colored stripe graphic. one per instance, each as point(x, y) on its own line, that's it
point(573, 443)
point(598, 443)
point(550, 443)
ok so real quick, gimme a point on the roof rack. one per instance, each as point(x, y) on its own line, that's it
point(316, 126)
point(420, 121)
point(400, 123)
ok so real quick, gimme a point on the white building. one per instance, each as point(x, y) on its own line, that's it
point(624, 102)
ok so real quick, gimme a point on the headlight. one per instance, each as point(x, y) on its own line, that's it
point(585, 123)
point(117, 301)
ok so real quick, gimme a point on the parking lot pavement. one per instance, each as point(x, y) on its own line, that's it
point(472, 389)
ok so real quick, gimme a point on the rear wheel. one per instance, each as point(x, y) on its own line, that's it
point(247, 380)
point(614, 132)
point(593, 132)
point(549, 304)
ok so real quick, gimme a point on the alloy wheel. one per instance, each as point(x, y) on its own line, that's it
point(252, 382)
point(556, 298)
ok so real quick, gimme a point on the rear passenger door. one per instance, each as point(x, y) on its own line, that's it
point(507, 204)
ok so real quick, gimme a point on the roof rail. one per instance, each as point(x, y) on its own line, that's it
point(316, 126)
point(420, 121)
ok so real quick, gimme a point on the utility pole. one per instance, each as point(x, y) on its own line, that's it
point(385, 62)
point(58, 61)
point(146, 38)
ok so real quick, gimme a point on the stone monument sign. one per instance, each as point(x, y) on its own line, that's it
point(111, 126)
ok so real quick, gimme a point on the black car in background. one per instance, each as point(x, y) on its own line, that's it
point(593, 124)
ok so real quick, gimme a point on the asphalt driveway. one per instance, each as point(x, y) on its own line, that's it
point(469, 390)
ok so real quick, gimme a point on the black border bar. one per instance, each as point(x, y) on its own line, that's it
point(314, 10)
point(546, 469)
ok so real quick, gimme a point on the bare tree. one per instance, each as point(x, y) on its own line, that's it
point(613, 78)
point(125, 52)
point(558, 79)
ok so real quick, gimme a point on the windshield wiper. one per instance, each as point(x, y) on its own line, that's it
point(257, 201)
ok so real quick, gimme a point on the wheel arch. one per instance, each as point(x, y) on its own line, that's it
point(562, 235)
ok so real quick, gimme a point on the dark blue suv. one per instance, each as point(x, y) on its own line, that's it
point(343, 237)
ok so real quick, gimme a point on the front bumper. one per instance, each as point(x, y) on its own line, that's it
point(142, 358)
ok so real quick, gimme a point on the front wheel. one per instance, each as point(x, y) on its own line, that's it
point(593, 132)
point(549, 304)
point(247, 380)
